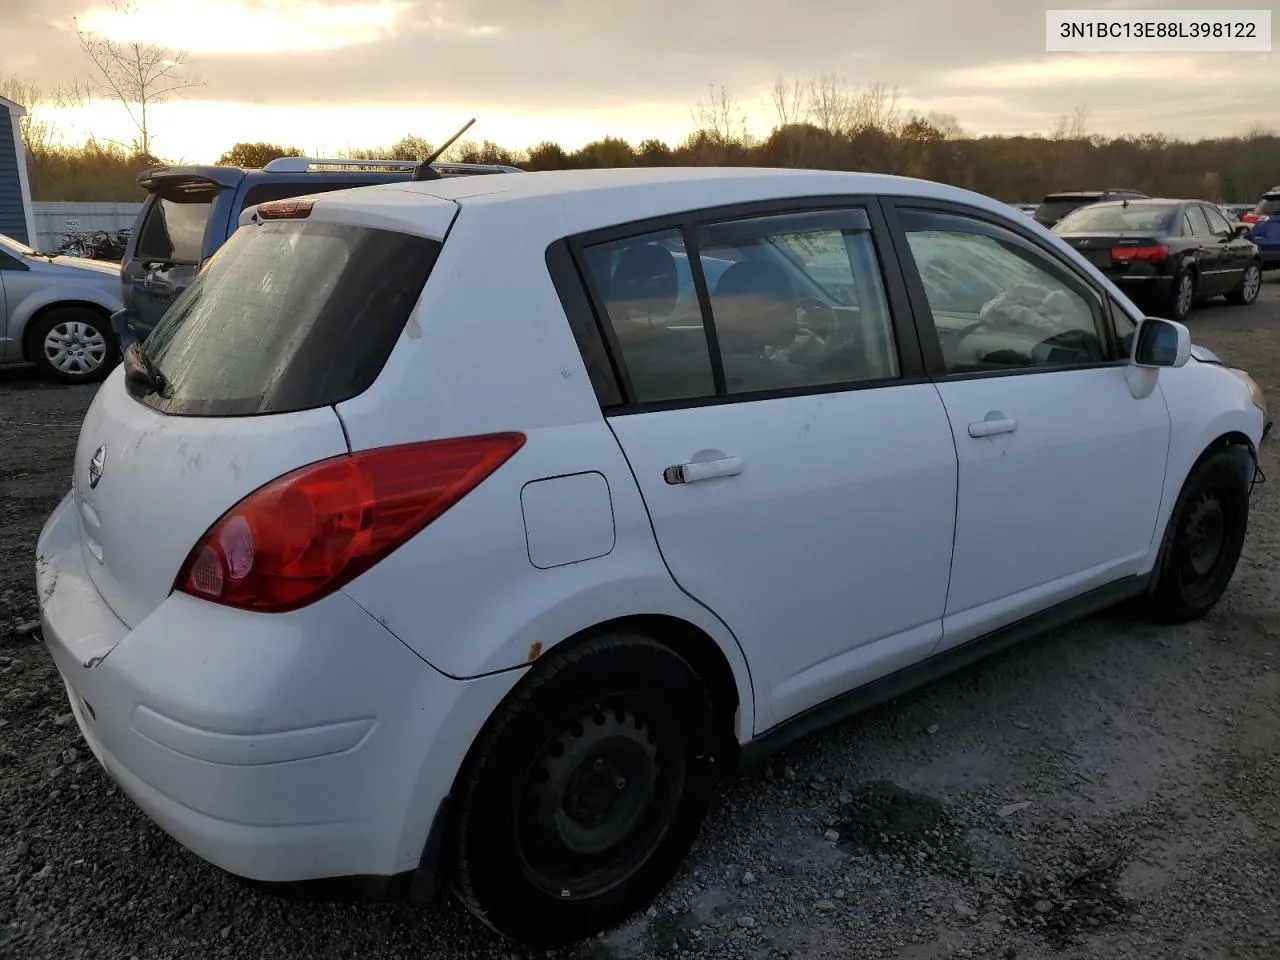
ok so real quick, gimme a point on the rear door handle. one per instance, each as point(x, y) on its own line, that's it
point(992, 426)
point(704, 470)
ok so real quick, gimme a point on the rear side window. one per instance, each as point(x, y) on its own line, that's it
point(288, 315)
point(174, 227)
point(1199, 223)
point(1268, 206)
point(794, 301)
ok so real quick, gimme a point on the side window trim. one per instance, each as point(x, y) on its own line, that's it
point(930, 346)
point(694, 254)
point(571, 286)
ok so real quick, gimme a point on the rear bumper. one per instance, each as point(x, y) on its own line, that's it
point(1270, 257)
point(1148, 288)
point(281, 748)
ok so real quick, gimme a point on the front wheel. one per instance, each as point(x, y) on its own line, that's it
point(585, 791)
point(1204, 538)
point(72, 345)
point(1249, 288)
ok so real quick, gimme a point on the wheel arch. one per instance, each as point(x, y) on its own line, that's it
point(1224, 440)
point(684, 638)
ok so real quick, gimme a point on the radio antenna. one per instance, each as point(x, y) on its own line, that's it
point(424, 171)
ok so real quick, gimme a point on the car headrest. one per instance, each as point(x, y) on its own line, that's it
point(755, 278)
point(644, 284)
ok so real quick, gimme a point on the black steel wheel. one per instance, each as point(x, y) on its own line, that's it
point(584, 793)
point(1205, 536)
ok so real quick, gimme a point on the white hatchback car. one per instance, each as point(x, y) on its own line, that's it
point(468, 528)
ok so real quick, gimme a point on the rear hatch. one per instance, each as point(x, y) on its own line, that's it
point(236, 387)
point(169, 238)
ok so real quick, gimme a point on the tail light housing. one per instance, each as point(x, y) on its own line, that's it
point(1151, 253)
point(291, 208)
point(305, 534)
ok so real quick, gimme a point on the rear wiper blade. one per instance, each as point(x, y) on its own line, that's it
point(140, 373)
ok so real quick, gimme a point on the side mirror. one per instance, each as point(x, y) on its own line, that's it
point(1161, 343)
point(1241, 230)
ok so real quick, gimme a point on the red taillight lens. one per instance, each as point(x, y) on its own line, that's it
point(307, 533)
point(1157, 252)
point(1252, 218)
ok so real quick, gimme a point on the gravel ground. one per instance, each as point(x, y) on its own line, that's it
point(1109, 791)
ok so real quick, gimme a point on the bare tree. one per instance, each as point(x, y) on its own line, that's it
point(39, 131)
point(1073, 126)
point(721, 117)
point(876, 108)
point(788, 98)
point(138, 75)
point(831, 104)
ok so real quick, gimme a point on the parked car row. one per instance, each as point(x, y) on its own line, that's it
point(1167, 254)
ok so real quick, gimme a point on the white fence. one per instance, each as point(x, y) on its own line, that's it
point(54, 220)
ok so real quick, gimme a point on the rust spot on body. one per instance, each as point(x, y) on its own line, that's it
point(535, 651)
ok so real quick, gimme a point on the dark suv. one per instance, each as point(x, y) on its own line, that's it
point(190, 212)
point(1055, 206)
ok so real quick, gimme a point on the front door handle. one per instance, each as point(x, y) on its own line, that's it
point(704, 470)
point(992, 426)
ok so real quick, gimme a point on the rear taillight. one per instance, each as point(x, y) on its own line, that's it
point(296, 208)
point(305, 534)
point(1154, 252)
point(1253, 218)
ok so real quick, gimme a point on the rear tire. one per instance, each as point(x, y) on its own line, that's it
point(1182, 296)
point(1249, 288)
point(584, 793)
point(1205, 536)
point(72, 345)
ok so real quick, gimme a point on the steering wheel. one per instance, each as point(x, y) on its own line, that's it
point(819, 318)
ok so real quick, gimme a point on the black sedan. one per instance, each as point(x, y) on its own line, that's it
point(1167, 254)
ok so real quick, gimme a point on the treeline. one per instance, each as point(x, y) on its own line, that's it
point(822, 123)
point(1015, 169)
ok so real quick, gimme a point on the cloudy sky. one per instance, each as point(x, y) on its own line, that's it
point(328, 74)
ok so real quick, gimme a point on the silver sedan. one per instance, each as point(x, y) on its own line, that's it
point(56, 311)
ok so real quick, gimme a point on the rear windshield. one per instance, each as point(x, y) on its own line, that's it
point(1116, 217)
point(288, 315)
point(1050, 209)
point(174, 229)
point(1268, 206)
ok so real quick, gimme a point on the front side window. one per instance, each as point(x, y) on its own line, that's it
point(998, 304)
